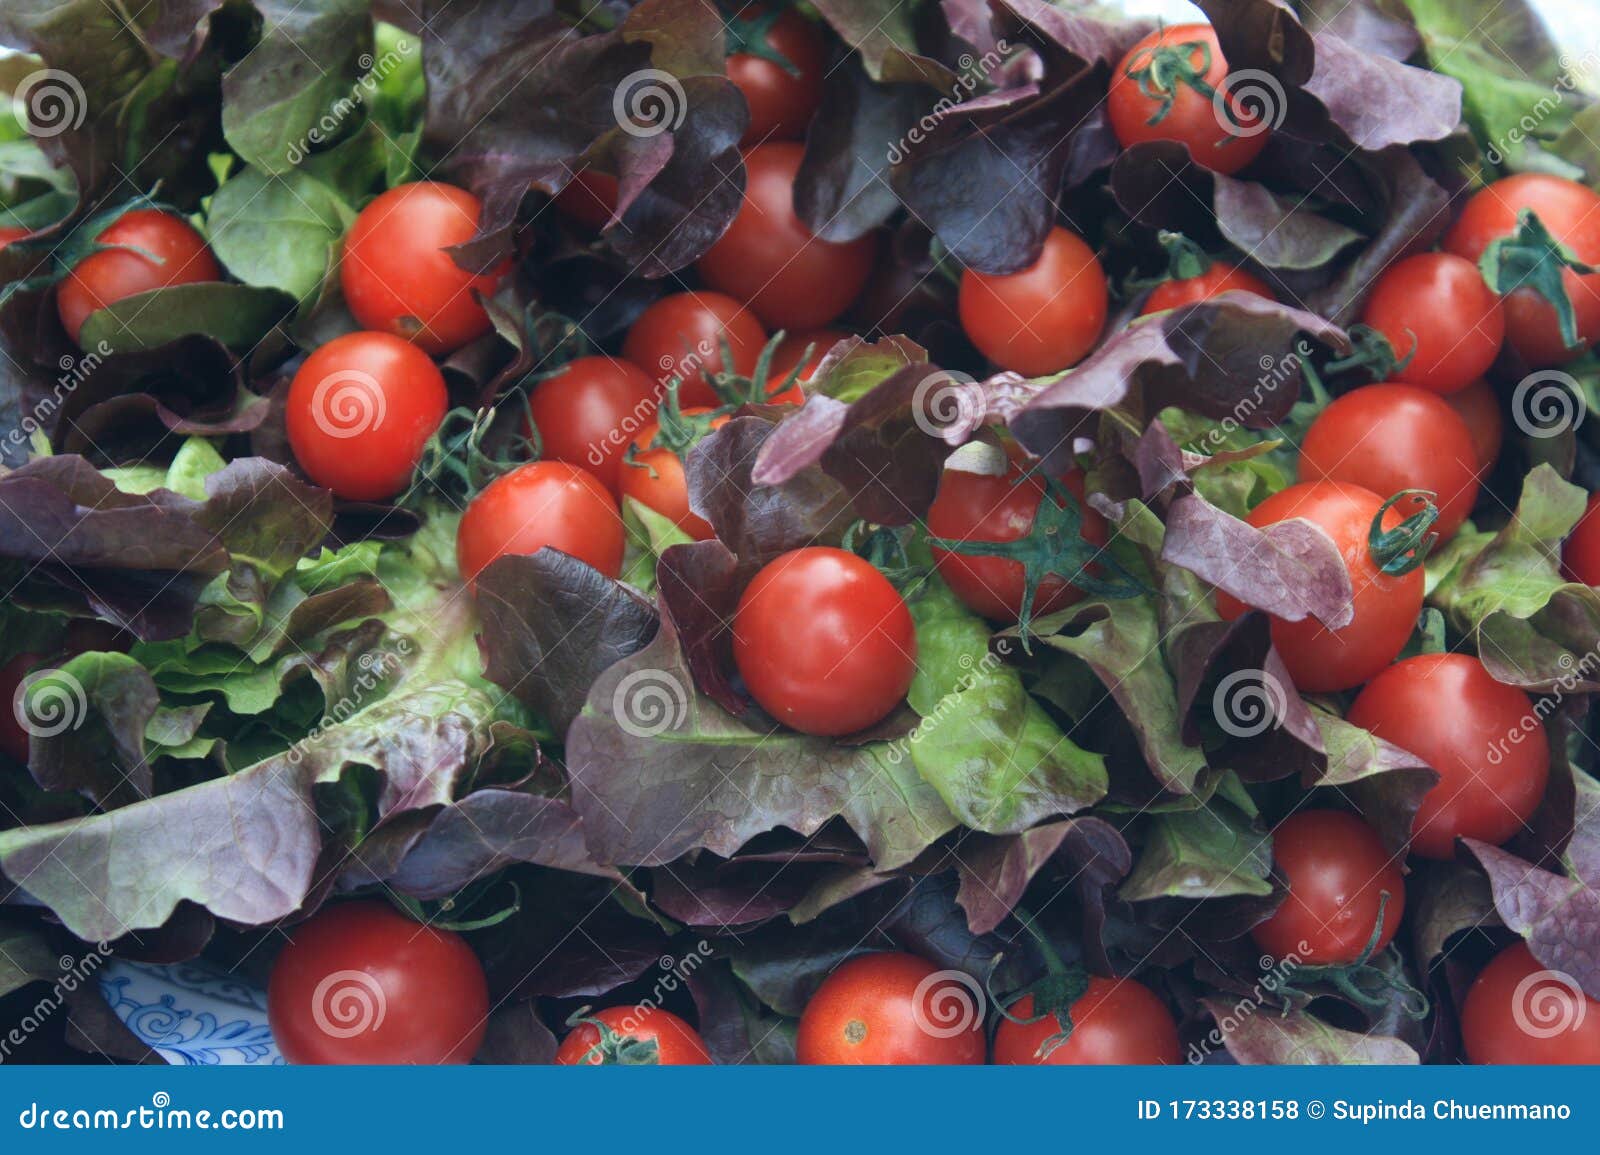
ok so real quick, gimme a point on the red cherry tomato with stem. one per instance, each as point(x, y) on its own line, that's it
point(779, 70)
point(1115, 1022)
point(632, 1036)
point(588, 410)
point(543, 503)
point(682, 336)
point(162, 249)
point(1443, 323)
point(891, 1009)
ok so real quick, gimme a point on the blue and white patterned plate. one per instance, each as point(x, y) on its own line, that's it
point(192, 1014)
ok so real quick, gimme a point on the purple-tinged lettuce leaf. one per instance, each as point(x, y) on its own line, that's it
point(884, 33)
point(736, 1027)
point(517, 1036)
point(995, 871)
point(1276, 231)
point(1260, 1035)
point(1375, 101)
point(1559, 917)
point(93, 712)
point(1444, 899)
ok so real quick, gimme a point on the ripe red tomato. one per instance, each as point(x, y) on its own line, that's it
point(9, 233)
point(1386, 606)
point(654, 478)
point(359, 983)
point(769, 259)
point(1217, 279)
point(634, 1036)
point(981, 507)
point(589, 198)
point(1042, 319)
point(588, 411)
point(1182, 109)
point(793, 347)
point(824, 642)
point(399, 279)
point(1393, 437)
point(1482, 736)
point(360, 410)
point(543, 503)
point(892, 1009)
point(1478, 406)
point(1338, 873)
point(781, 101)
point(1580, 556)
point(13, 733)
point(1571, 213)
point(181, 257)
point(1115, 1022)
point(682, 336)
point(1435, 308)
point(1518, 1012)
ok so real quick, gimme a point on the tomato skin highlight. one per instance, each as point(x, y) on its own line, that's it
point(417, 993)
point(1192, 121)
point(1435, 308)
point(14, 737)
point(655, 479)
point(1216, 280)
point(587, 411)
point(1042, 319)
point(1337, 869)
point(106, 277)
point(987, 508)
point(1580, 554)
point(770, 260)
point(1391, 437)
point(1572, 214)
point(825, 644)
point(543, 503)
point(1479, 407)
point(397, 276)
point(1116, 1022)
point(877, 1010)
point(1448, 710)
point(781, 103)
point(677, 1043)
point(681, 335)
point(1386, 606)
point(360, 411)
point(1518, 1012)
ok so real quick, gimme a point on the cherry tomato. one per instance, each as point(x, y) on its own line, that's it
point(360, 983)
point(781, 101)
point(1482, 736)
point(1116, 1022)
point(634, 1036)
point(398, 277)
point(1580, 556)
point(1478, 406)
point(793, 347)
point(1185, 112)
point(543, 503)
point(589, 198)
point(768, 258)
point(654, 478)
point(587, 412)
point(824, 642)
point(892, 1009)
point(1520, 1013)
point(1218, 279)
point(1571, 213)
point(360, 411)
point(981, 507)
point(682, 336)
point(1393, 437)
point(1042, 319)
point(1436, 309)
point(13, 730)
point(1339, 875)
point(177, 255)
point(1386, 606)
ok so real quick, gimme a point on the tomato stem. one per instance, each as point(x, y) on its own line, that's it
point(735, 391)
point(614, 1049)
point(1185, 259)
point(748, 36)
point(1373, 352)
point(1053, 994)
point(1402, 549)
point(1170, 68)
point(1531, 258)
point(1363, 983)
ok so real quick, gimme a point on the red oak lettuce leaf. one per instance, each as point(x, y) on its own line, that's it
point(1255, 1034)
point(1560, 917)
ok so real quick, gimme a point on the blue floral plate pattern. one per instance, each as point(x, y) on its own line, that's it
point(192, 1014)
